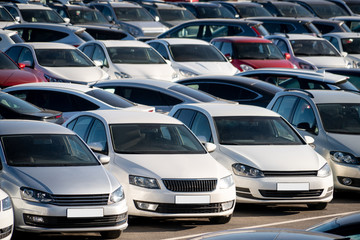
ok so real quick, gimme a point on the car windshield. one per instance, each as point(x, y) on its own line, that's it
point(154, 139)
point(5, 16)
point(313, 48)
point(255, 130)
point(291, 10)
point(328, 10)
point(213, 12)
point(6, 62)
point(46, 150)
point(351, 45)
point(340, 117)
point(135, 55)
point(195, 53)
point(133, 14)
point(86, 16)
point(257, 51)
point(62, 58)
point(44, 16)
point(252, 11)
point(175, 15)
point(17, 105)
point(110, 98)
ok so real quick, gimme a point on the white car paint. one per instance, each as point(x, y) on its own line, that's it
point(6, 216)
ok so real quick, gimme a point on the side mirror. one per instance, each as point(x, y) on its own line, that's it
point(228, 57)
point(309, 140)
point(98, 63)
point(17, 18)
point(96, 146)
point(21, 65)
point(157, 19)
point(210, 147)
point(104, 159)
point(287, 56)
point(168, 61)
point(344, 54)
point(109, 18)
point(67, 20)
point(25, 64)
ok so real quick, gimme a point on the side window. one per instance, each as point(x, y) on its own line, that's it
point(43, 35)
point(99, 55)
point(186, 32)
point(89, 50)
point(106, 12)
point(82, 125)
point(217, 44)
point(12, 11)
point(226, 49)
point(304, 116)
point(97, 136)
point(334, 42)
point(324, 28)
point(14, 53)
point(286, 106)
point(201, 127)
point(162, 50)
point(185, 116)
point(26, 55)
point(282, 46)
point(229, 92)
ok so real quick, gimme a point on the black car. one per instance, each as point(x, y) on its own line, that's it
point(286, 9)
point(107, 33)
point(239, 89)
point(207, 29)
point(12, 107)
point(246, 9)
point(354, 5)
point(327, 25)
point(207, 9)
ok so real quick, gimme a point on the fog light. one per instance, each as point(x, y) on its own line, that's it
point(227, 205)
point(147, 206)
point(34, 219)
point(347, 181)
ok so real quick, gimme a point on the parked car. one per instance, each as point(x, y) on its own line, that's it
point(354, 5)
point(13, 74)
point(332, 119)
point(353, 75)
point(6, 216)
point(348, 44)
point(108, 33)
point(6, 18)
point(71, 98)
point(276, 25)
point(133, 15)
point(267, 234)
point(50, 32)
point(165, 169)
point(249, 53)
point(207, 29)
point(353, 22)
point(30, 13)
point(8, 38)
point(330, 25)
point(246, 9)
point(56, 62)
point(56, 183)
point(162, 95)
point(234, 88)
point(346, 226)
point(300, 79)
point(12, 107)
point(192, 57)
point(129, 59)
point(286, 9)
point(270, 161)
point(310, 52)
point(207, 9)
point(169, 14)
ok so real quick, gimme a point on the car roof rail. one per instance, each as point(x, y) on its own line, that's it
point(348, 90)
point(299, 90)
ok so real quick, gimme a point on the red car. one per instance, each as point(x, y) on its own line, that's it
point(248, 53)
point(13, 74)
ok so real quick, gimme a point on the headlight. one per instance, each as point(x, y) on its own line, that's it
point(117, 195)
point(245, 67)
point(122, 75)
point(52, 79)
point(187, 73)
point(144, 182)
point(246, 171)
point(324, 171)
point(35, 195)
point(306, 66)
point(342, 157)
point(226, 182)
point(6, 204)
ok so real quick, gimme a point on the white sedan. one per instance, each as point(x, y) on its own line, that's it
point(163, 167)
point(270, 161)
point(6, 216)
point(129, 59)
point(193, 57)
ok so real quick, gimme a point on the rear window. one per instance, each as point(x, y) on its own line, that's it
point(84, 36)
point(110, 98)
point(193, 93)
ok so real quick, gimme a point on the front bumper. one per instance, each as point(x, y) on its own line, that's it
point(346, 176)
point(6, 224)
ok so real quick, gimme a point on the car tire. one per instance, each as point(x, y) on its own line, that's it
point(110, 234)
point(317, 206)
point(220, 220)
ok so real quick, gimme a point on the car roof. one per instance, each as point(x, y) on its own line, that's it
point(32, 6)
point(221, 109)
point(347, 18)
point(46, 45)
point(123, 4)
point(162, 5)
point(17, 127)
point(55, 85)
point(53, 26)
point(121, 43)
point(294, 36)
point(182, 41)
point(280, 19)
point(343, 34)
point(222, 20)
point(242, 39)
point(327, 96)
point(129, 117)
point(150, 82)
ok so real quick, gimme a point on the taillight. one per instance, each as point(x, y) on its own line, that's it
point(76, 45)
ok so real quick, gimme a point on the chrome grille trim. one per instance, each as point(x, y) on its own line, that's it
point(190, 185)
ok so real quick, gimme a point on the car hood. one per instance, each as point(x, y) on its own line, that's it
point(77, 74)
point(276, 157)
point(344, 142)
point(171, 165)
point(201, 68)
point(326, 61)
point(266, 63)
point(14, 77)
point(66, 180)
point(153, 71)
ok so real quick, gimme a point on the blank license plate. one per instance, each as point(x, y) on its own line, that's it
point(192, 199)
point(293, 186)
point(84, 213)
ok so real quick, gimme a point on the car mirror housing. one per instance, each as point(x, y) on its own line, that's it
point(344, 54)
point(25, 64)
point(210, 147)
point(98, 63)
point(67, 20)
point(104, 159)
point(309, 140)
point(287, 56)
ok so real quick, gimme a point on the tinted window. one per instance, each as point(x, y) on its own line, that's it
point(6, 62)
point(27, 56)
point(135, 55)
point(88, 50)
point(82, 125)
point(313, 48)
point(40, 35)
point(97, 136)
point(105, 35)
point(39, 15)
point(304, 114)
point(132, 14)
point(110, 98)
point(196, 53)
point(14, 52)
point(185, 115)
point(286, 106)
point(193, 93)
point(17, 105)
point(278, 27)
point(256, 51)
point(62, 58)
point(84, 15)
point(201, 127)
point(175, 14)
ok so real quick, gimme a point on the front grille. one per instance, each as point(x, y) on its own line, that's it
point(4, 232)
point(64, 222)
point(190, 185)
point(291, 194)
point(189, 208)
point(80, 200)
point(289, 173)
